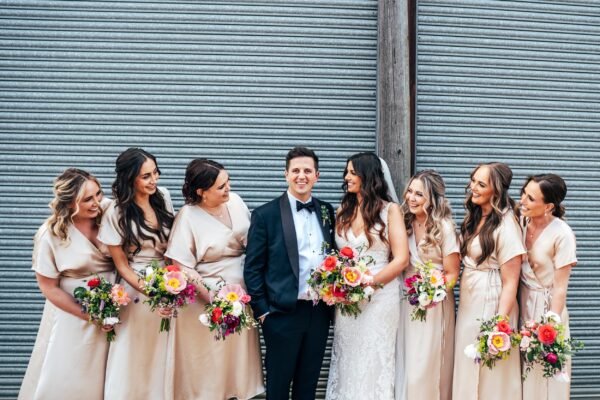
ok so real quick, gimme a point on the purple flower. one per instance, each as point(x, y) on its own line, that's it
point(101, 307)
point(413, 301)
point(232, 321)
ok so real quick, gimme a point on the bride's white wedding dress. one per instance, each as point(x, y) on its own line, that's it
point(364, 349)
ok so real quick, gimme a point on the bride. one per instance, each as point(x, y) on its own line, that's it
point(363, 359)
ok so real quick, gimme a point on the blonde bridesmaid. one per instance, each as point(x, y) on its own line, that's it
point(207, 241)
point(429, 345)
point(492, 251)
point(66, 254)
point(545, 272)
point(136, 228)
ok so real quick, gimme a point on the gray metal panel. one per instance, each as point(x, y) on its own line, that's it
point(518, 81)
point(240, 82)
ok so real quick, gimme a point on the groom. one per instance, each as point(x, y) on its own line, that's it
point(286, 240)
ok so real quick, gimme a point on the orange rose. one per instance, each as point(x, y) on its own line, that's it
point(547, 334)
point(329, 263)
point(172, 268)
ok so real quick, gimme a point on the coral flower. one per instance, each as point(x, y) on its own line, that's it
point(120, 295)
point(347, 252)
point(245, 298)
point(216, 315)
point(352, 276)
point(497, 342)
point(504, 326)
point(175, 282)
point(172, 268)
point(329, 263)
point(547, 334)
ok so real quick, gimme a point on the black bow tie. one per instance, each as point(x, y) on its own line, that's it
point(309, 206)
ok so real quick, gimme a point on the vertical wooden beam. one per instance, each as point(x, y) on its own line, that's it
point(394, 110)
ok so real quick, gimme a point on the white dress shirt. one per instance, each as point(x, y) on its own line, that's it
point(310, 240)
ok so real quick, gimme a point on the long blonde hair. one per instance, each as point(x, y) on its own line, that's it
point(436, 207)
point(68, 191)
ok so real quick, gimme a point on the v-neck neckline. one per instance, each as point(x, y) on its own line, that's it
point(539, 235)
point(216, 219)
point(86, 239)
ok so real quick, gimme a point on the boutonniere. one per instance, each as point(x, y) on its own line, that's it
point(325, 215)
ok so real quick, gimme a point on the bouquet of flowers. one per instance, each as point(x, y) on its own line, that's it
point(167, 287)
point(228, 311)
point(425, 289)
point(102, 301)
point(494, 342)
point(544, 343)
point(343, 279)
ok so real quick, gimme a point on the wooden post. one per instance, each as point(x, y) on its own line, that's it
point(394, 106)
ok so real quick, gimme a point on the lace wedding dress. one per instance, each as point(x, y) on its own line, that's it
point(364, 348)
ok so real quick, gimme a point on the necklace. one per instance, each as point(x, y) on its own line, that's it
point(219, 215)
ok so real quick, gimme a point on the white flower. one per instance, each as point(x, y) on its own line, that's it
point(439, 295)
point(362, 266)
point(366, 279)
point(369, 291)
point(471, 352)
point(424, 300)
point(237, 308)
point(204, 319)
point(149, 272)
point(110, 321)
point(553, 317)
point(561, 376)
point(525, 340)
point(355, 297)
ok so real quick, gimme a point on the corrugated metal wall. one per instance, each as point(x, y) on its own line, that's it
point(519, 81)
point(240, 82)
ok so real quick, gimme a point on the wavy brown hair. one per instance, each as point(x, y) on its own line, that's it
point(68, 190)
point(374, 193)
point(500, 176)
point(131, 221)
point(436, 207)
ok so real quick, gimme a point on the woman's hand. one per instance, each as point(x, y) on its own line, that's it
point(107, 328)
point(164, 312)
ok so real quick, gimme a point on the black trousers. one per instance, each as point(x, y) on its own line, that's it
point(295, 345)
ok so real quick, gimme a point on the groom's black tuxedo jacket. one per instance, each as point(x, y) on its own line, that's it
point(271, 268)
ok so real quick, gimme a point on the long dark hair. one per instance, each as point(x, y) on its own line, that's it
point(374, 192)
point(200, 173)
point(500, 178)
point(554, 190)
point(131, 221)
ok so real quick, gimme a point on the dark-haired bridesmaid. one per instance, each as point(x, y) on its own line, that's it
point(491, 251)
point(545, 271)
point(136, 228)
point(208, 241)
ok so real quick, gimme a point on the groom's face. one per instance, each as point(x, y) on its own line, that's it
point(301, 176)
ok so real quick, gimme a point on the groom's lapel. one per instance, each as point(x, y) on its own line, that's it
point(289, 233)
point(324, 223)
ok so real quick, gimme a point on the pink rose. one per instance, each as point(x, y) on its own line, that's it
point(551, 358)
point(246, 298)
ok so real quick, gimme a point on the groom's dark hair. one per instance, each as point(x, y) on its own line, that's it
point(300, 151)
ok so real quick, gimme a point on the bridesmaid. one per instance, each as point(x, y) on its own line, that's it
point(66, 255)
point(550, 244)
point(429, 345)
point(492, 250)
point(135, 228)
point(207, 241)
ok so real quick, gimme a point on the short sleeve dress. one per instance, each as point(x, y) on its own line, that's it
point(428, 346)
point(201, 242)
point(480, 288)
point(554, 248)
point(137, 360)
point(67, 348)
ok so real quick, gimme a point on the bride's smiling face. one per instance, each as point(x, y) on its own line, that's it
point(352, 179)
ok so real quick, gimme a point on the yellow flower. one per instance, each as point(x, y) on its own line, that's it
point(498, 341)
point(232, 296)
point(174, 283)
